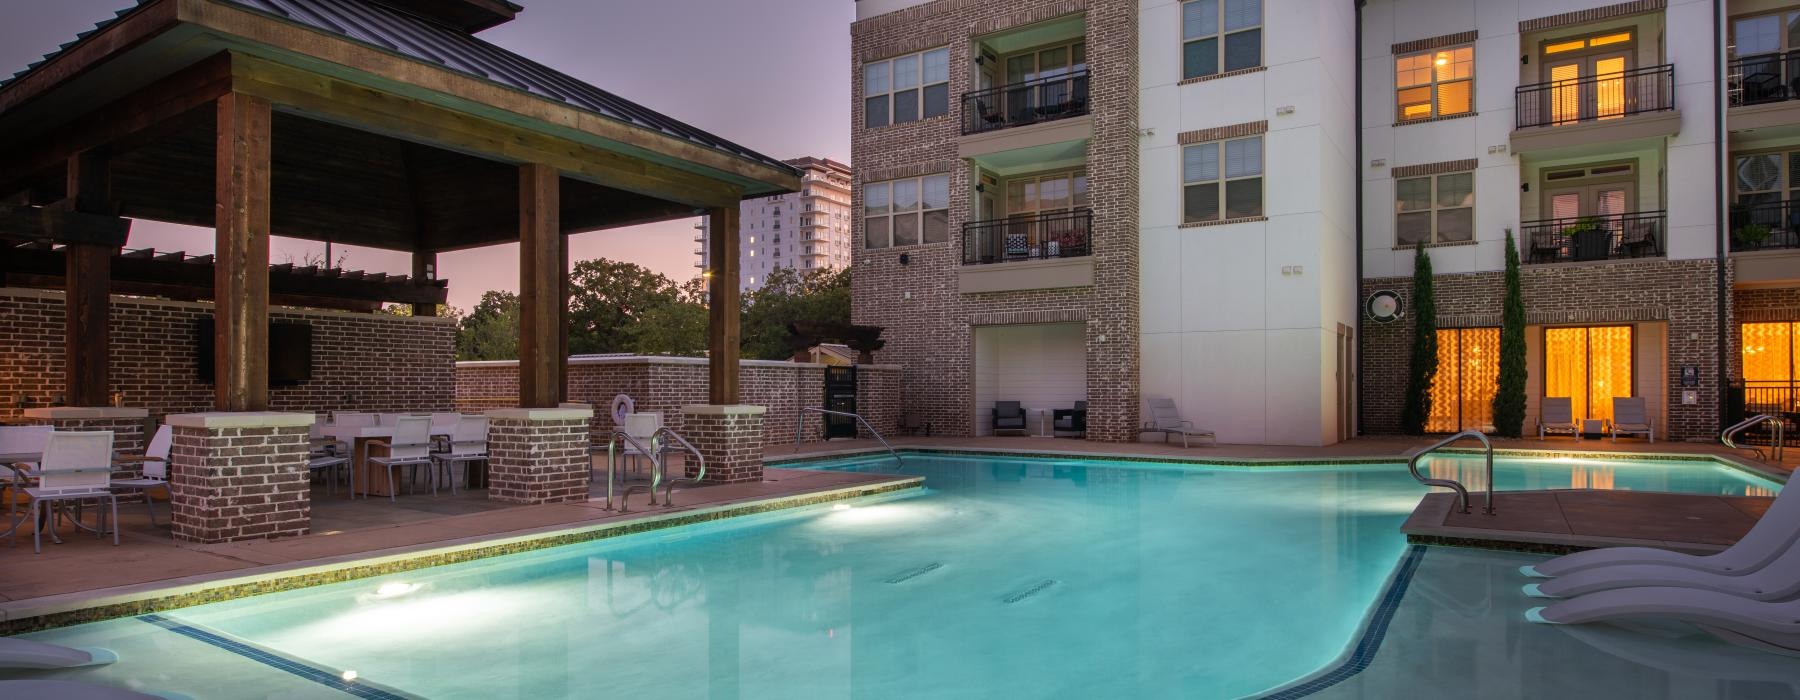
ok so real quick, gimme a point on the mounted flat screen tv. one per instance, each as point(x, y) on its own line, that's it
point(290, 352)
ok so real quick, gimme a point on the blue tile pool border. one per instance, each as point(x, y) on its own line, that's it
point(1372, 634)
point(292, 666)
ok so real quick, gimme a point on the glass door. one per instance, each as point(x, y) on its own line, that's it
point(1588, 87)
point(1033, 205)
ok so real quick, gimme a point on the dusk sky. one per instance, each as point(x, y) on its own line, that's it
point(772, 75)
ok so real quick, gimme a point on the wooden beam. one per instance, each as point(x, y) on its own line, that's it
point(723, 335)
point(540, 288)
point(60, 225)
point(87, 285)
point(241, 269)
point(424, 267)
point(562, 325)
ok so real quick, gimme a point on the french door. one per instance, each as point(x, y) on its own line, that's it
point(1604, 201)
point(1588, 87)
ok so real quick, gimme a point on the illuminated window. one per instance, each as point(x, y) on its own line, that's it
point(1771, 353)
point(1434, 209)
point(1462, 393)
point(1590, 365)
point(1434, 83)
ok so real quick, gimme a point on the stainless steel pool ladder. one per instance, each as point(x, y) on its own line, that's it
point(800, 423)
point(612, 462)
point(1729, 434)
point(1412, 465)
point(661, 461)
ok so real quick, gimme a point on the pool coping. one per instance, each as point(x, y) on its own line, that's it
point(65, 609)
point(1726, 460)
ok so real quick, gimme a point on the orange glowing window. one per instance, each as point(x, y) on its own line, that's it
point(1619, 38)
point(1462, 393)
point(1566, 46)
point(1434, 83)
point(1590, 365)
point(1771, 359)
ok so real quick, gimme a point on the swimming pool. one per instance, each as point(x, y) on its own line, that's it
point(1006, 576)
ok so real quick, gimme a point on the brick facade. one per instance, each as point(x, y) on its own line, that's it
point(538, 455)
point(729, 438)
point(361, 361)
point(1681, 293)
point(239, 476)
point(665, 384)
point(1766, 305)
point(931, 332)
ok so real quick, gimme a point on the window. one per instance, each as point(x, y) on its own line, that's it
point(1468, 376)
point(1434, 209)
point(1765, 178)
point(1240, 176)
point(907, 88)
point(1771, 353)
point(1590, 365)
point(1220, 36)
point(1434, 83)
point(906, 212)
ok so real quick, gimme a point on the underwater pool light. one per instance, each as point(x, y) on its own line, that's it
point(395, 589)
point(841, 506)
point(348, 676)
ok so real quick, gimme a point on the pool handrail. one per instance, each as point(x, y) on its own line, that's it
point(1412, 465)
point(612, 442)
point(1775, 451)
point(662, 468)
point(800, 426)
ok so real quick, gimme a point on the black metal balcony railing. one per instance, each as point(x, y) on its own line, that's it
point(1764, 78)
point(1765, 226)
point(1595, 97)
point(1063, 234)
point(1583, 238)
point(1029, 102)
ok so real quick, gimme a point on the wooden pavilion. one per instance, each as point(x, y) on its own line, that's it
point(382, 123)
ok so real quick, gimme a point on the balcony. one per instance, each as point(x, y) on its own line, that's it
point(1633, 104)
point(1036, 237)
point(1765, 226)
point(1030, 102)
point(1763, 79)
point(1589, 238)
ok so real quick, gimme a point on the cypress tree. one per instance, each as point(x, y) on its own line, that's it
point(1424, 362)
point(1509, 397)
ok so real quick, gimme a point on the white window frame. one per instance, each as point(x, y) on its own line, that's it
point(886, 186)
point(1432, 86)
point(1433, 209)
point(922, 82)
point(1223, 180)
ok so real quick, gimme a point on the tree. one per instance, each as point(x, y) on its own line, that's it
point(1424, 362)
point(491, 330)
point(789, 295)
point(1509, 396)
point(677, 328)
point(607, 302)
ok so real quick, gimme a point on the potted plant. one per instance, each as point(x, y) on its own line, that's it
point(1750, 236)
point(1588, 240)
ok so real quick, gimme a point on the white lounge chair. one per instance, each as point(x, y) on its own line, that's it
point(24, 653)
point(1630, 417)
point(468, 443)
point(1773, 535)
point(77, 467)
point(1777, 580)
point(1166, 419)
point(1556, 416)
point(1764, 625)
point(156, 471)
point(411, 447)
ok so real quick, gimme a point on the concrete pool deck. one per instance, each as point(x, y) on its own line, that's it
point(1568, 520)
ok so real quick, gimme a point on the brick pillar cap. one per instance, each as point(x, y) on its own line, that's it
point(542, 413)
point(70, 412)
point(240, 419)
point(711, 410)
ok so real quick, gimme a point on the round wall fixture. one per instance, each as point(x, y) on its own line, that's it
point(1385, 306)
point(622, 406)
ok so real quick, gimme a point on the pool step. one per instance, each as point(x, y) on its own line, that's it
point(1026, 594)
point(911, 574)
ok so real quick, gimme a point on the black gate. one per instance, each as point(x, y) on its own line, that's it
point(840, 395)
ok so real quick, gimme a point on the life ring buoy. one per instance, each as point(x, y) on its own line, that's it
point(622, 406)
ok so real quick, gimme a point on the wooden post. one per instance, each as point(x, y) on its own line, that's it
point(562, 325)
point(722, 336)
point(424, 267)
point(241, 262)
point(87, 279)
point(540, 288)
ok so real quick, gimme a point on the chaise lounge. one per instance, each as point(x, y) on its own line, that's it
point(1557, 417)
point(1166, 419)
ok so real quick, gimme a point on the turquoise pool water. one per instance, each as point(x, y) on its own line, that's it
point(1007, 577)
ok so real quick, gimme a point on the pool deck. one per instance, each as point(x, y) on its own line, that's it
point(87, 578)
point(1567, 520)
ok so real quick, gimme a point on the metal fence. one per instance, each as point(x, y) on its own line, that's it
point(1595, 97)
point(1583, 238)
point(1055, 235)
point(1765, 225)
point(1029, 102)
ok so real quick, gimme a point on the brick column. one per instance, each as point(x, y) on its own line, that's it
point(729, 437)
point(239, 476)
point(126, 424)
point(538, 455)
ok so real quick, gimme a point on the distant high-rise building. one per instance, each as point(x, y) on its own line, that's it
point(808, 230)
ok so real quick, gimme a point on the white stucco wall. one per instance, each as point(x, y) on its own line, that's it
point(1043, 367)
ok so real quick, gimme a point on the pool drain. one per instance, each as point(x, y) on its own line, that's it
point(914, 573)
point(1035, 589)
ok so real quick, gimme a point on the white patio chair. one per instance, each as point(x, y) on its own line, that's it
point(1166, 419)
point(468, 443)
point(1556, 416)
point(1630, 417)
point(1774, 534)
point(156, 471)
point(77, 467)
point(410, 447)
point(21, 440)
point(443, 425)
point(319, 444)
point(355, 419)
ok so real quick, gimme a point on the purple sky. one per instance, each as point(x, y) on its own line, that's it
point(772, 75)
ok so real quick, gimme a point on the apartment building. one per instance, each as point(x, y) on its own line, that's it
point(1112, 201)
point(806, 230)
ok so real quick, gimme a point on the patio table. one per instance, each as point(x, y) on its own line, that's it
point(363, 481)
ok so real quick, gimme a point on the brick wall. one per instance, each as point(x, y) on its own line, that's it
point(665, 384)
point(537, 460)
point(1765, 305)
point(1682, 293)
point(239, 483)
point(361, 361)
point(930, 333)
point(727, 436)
